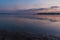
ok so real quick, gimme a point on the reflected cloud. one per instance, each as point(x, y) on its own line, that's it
point(51, 18)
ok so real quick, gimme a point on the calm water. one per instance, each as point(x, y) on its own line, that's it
point(31, 23)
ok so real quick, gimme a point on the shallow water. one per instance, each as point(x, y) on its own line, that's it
point(31, 23)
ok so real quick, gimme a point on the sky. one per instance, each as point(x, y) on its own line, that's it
point(27, 4)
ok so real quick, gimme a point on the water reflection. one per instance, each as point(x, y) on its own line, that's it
point(52, 18)
point(31, 23)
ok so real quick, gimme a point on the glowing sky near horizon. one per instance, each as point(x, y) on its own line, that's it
point(27, 4)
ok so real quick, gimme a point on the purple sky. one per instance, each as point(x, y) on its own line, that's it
point(27, 4)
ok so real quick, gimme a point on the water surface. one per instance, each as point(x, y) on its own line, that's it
point(31, 23)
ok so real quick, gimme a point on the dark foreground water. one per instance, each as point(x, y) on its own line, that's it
point(31, 23)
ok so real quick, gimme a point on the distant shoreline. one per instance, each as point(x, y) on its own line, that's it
point(48, 13)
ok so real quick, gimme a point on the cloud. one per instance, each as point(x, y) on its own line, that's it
point(52, 7)
point(9, 8)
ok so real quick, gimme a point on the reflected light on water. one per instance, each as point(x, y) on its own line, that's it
point(36, 22)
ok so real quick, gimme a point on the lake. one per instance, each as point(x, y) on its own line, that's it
point(31, 23)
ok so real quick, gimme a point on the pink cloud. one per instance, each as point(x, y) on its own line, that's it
point(20, 6)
